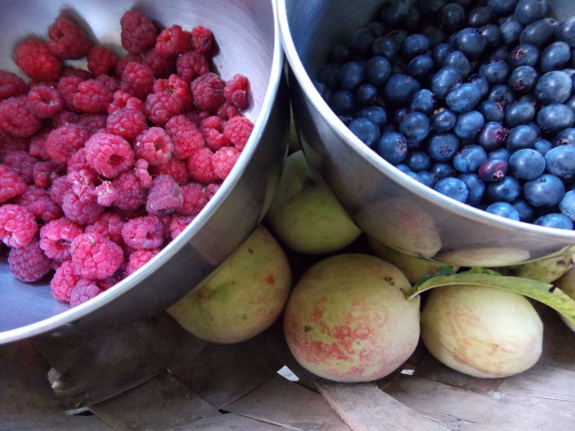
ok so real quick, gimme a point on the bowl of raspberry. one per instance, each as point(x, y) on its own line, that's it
point(444, 127)
point(140, 145)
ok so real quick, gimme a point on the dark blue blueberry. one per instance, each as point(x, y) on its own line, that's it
point(374, 113)
point(519, 113)
point(528, 11)
point(500, 153)
point(531, 98)
point(346, 119)
point(322, 89)
point(403, 168)
point(397, 36)
point(503, 209)
point(555, 220)
point(463, 98)
point(458, 60)
point(442, 121)
point(431, 7)
point(342, 102)
point(501, 7)
point(417, 161)
point(392, 146)
point(439, 53)
point(443, 170)
point(394, 13)
point(341, 53)
point(539, 33)
point(469, 158)
point(492, 170)
point(492, 135)
point(377, 27)
point(351, 75)
point(413, 20)
point(470, 42)
point(554, 118)
point(491, 111)
point(367, 131)
point(362, 39)
point(480, 82)
point(523, 136)
point(420, 67)
point(452, 17)
point(479, 16)
point(571, 103)
point(523, 79)
point(469, 124)
point(561, 161)
point(444, 80)
point(553, 87)
point(414, 45)
point(328, 74)
point(565, 32)
point(435, 35)
point(501, 94)
point(524, 55)
point(545, 191)
point(400, 88)
point(365, 95)
point(475, 186)
point(453, 188)
point(426, 178)
point(527, 164)
point(495, 71)
point(399, 114)
point(414, 126)
point(511, 30)
point(492, 35)
point(424, 101)
point(567, 204)
point(506, 190)
point(399, 66)
point(525, 210)
point(442, 147)
point(543, 146)
point(554, 57)
point(565, 137)
point(382, 46)
point(502, 53)
point(378, 70)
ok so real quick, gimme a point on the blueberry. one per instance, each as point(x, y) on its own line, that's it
point(342, 102)
point(403, 168)
point(491, 111)
point(414, 126)
point(418, 161)
point(346, 119)
point(394, 13)
point(414, 45)
point(458, 60)
point(543, 146)
point(545, 191)
point(382, 46)
point(440, 52)
point(377, 27)
point(525, 210)
point(469, 124)
point(397, 36)
point(435, 36)
point(500, 153)
point(492, 170)
point(470, 42)
point(443, 170)
point(501, 7)
point(426, 178)
point(523, 136)
point(500, 53)
point(571, 103)
point(560, 161)
point(506, 190)
point(367, 131)
point(539, 33)
point(452, 17)
point(554, 118)
point(469, 158)
point(400, 88)
point(492, 35)
point(399, 114)
point(503, 209)
point(480, 82)
point(424, 101)
point(528, 11)
point(519, 113)
point(378, 70)
point(442, 121)
point(362, 39)
point(567, 204)
point(376, 114)
point(328, 74)
point(524, 55)
point(351, 75)
point(555, 56)
point(492, 135)
point(444, 80)
point(322, 89)
point(565, 137)
point(511, 30)
point(553, 87)
point(479, 16)
point(431, 7)
point(442, 147)
point(527, 164)
point(463, 98)
point(392, 146)
point(453, 188)
point(565, 32)
point(555, 220)
point(341, 53)
point(365, 95)
point(495, 71)
point(501, 94)
point(475, 186)
point(420, 67)
point(413, 19)
point(523, 79)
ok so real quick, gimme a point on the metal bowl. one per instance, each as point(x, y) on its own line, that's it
point(385, 203)
point(247, 34)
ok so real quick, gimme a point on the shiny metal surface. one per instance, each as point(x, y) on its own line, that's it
point(385, 203)
point(249, 43)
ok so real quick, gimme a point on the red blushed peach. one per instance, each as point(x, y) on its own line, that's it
point(348, 319)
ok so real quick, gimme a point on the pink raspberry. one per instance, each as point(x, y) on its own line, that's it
point(226, 111)
point(45, 101)
point(108, 154)
point(194, 199)
point(110, 226)
point(93, 122)
point(138, 80)
point(11, 85)
point(208, 92)
point(11, 184)
point(22, 163)
point(200, 166)
point(141, 171)
point(106, 194)
point(45, 173)
point(178, 224)
point(17, 225)
point(39, 203)
point(95, 257)
point(139, 258)
point(101, 60)
point(164, 196)
point(57, 236)
point(65, 117)
point(186, 136)
point(17, 119)
point(143, 233)
point(131, 193)
point(80, 73)
point(37, 146)
point(175, 168)
point(84, 182)
point(64, 281)
point(161, 66)
point(213, 131)
point(165, 221)
point(83, 213)
point(68, 87)
point(176, 87)
point(202, 39)
point(123, 62)
point(29, 263)
point(238, 131)
point(211, 190)
point(83, 291)
point(65, 141)
point(191, 64)
point(138, 32)
point(124, 100)
point(236, 91)
point(173, 41)
point(154, 145)
point(58, 189)
point(78, 161)
point(37, 62)
point(159, 108)
point(9, 143)
point(93, 96)
point(126, 123)
point(68, 41)
point(224, 160)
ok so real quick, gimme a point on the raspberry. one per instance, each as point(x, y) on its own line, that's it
point(58, 189)
point(83, 291)
point(154, 145)
point(64, 281)
point(68, 41)
point(79, 73)
point(143, 233)
point(11, 184)
point(22, 163)
point(124, 100)
point(131, 193)
point(238, 131)
point(226, 111)
point(211, 190)
point(68, 87)
point(224, 160)
point(194, 199)
point(17, 119)
point(164, 197)
point(126, 123)
point(28, 263)
point(106, 194)
point(93, 96)
point(56, 237)
point(11, 85)
point(101, 60)
point(108, 154)
point(208, 92)
point(37, 62)
point(110, 226)
point(236, 91)
point(200, 166)
point(159, 108)
point(186, 136)
point(65, 141)
point(45, 173)
point(37, 146)
point(212, 130)
point(78, 161)
point(84, 182)
point(83, 213)
point(17, 225)
point(139, 258)
point(141, 171)
point(93, 122)
point(9, 143)
point(173, 41)
point(175, 168)
point(196, 117)
point(95, 257)
point(138, 32)
point(123, 62)
point(201, 39)
point(165, 221)
point(176, 87)
point(191, 64)
point(138, 80)
point(39, 203)
point(161, 66)
point(178, 224)
point(45, 101)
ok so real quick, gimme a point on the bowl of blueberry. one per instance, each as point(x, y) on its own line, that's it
point(445, 128)
point(140, 145)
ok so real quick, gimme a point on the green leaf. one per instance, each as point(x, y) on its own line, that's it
point(444, 270)
point(542, 292)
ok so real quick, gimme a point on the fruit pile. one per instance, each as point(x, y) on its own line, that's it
point(101, 168)
point(473, 99)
